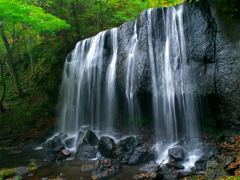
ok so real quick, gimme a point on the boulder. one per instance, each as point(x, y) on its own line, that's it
point(106, 167)
point(62, 136)
point(151, 167)
point(150, 176)
point(107, 147)
point(90, 138)
point(131, 150)
point(63, 154)
point(176, 153)
point(85, 152)
point(139, 153)
point(214, 170)
point(200, 164)
point(87, 167)
point(174, 165)
point(54, 146)
point(70, 142)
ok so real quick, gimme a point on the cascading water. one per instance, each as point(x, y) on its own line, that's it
point(89, 95)
point(172, 84)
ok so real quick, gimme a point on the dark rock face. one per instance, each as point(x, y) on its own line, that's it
point(200, 164)
point(70, 142)
point(106, 167)
point(62, 136)
point(90, 138)
point(85, 152)
point(107, 147)
point(175, 165)
point(131, 150)
point(54, 146)
point(151, 167)
point(212, 39)
point(150, 176)
point(63, 154)
point(176, 153)
point(87, 167)
point(214, 170)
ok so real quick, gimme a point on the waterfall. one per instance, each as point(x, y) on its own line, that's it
point(174, 106)
point(101, 67)
point(87, 95)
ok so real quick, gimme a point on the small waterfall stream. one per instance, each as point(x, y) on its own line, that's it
point(89, 98)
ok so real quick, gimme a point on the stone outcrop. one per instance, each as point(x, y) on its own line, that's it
point(213, 43)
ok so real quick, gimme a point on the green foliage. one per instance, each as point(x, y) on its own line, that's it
point(220, 137)
point(16, 11)
point(231, 7)
point(32, 165)
point(229, 178)
point(7, 173)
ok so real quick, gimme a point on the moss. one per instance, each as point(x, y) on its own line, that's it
point(220, 136)
point(7, 173)
point(229, 178)
point(32, 165)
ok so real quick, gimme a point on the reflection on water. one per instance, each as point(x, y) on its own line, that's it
point(70, 170)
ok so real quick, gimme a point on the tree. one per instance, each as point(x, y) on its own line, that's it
point(16, 19)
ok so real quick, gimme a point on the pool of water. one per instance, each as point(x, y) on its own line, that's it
point(69, 169)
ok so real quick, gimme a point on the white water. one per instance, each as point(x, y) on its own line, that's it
point(175, 111)
point(89, 99)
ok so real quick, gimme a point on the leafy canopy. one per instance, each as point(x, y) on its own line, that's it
point(17, 11)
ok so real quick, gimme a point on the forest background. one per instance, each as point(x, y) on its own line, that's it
point(36, 36)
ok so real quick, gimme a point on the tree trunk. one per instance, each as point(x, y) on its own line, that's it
point(4, 88)
point(10, 60)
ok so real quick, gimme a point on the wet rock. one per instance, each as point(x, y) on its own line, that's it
point(107, 147)
point(30, 174)
point(54, 146)
point(63, 154)
point(21, 170)
point(37, 141)
point(85, 152)
point(200, 164)
point(183, 174)
point(151, 167)
point(170, 176)
point(150, 176)
point(214, 170)
point(87, 167)
point(15, 152)
point(62, 136)
point(231, 140)
point(232, 167)
point(7, 142)
point(174, 165)
point(44, 178)
point(70, 142)
point(226, 161)
point(131, 150)
point(176, 153)
point(106, 167)
point(90, 138)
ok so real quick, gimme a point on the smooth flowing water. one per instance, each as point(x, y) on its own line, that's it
point(174, 105)
point(89, 98)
